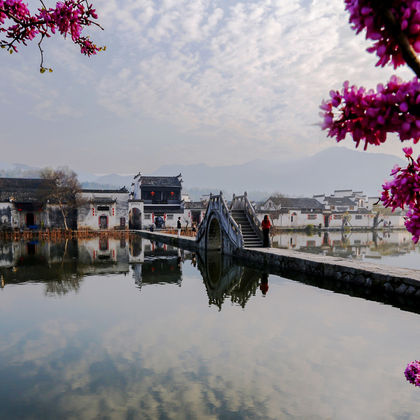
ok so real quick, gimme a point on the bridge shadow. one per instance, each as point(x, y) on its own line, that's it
point(225, 279)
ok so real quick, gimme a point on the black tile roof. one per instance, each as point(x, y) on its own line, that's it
point(22, 190)
point(195, 205)
point(90, 190)
point(339, 201)
point(296, 203)
point(161, 181)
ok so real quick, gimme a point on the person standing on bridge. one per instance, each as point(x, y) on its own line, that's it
point(178, 225)
point(266, 225)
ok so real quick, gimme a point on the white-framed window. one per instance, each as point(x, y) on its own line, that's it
point(312, 216)
point(147, 217)
point(358, 216)
point(170, 217)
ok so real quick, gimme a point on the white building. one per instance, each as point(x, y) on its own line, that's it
point(103, 209)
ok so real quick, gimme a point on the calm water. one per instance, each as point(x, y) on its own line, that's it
point(132, 330)
point(394, 248)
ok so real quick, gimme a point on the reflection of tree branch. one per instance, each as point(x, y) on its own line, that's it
point(65, 251)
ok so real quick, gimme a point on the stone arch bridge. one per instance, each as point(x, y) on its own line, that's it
point(226, 227)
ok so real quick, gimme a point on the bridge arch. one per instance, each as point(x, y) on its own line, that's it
point(218, 231)
point(214, 238)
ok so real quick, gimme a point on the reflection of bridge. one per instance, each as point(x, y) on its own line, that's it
point(229, 227)
point(222, 279)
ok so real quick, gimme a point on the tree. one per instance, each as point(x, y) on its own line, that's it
point(63, 190)
point(368, 115)
point(69, 17)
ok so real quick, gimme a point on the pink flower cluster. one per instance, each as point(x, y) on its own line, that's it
point(412, 372)
point(365, 14)
point(68, 17)
point(369, 115)
point(404, 191)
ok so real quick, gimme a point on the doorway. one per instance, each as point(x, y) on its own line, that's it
point(30, 219)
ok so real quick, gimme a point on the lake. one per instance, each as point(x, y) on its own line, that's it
point(129, 329)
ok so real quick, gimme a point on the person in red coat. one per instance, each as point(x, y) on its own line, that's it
point(266, 225)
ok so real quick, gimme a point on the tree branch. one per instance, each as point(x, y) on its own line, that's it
point(408, 53)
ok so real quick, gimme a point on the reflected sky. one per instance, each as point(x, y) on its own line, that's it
point(209, 345)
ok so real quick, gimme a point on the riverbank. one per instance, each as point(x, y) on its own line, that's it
point(58, 234)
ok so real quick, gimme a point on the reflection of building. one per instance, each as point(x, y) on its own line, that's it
point(61, 265)
point(154, 262)
point(51, 262)
point(348, 244)
point(104, 255)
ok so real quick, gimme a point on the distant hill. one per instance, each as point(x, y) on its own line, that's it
point(333, 168)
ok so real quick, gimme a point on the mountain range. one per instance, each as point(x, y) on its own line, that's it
point(328, 170)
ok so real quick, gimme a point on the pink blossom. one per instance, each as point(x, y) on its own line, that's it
point(412, 372)
point(364, 15)
point(404, 191)
point(69, 17)
point(369, 116)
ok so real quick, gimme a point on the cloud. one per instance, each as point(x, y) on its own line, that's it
point(256, 71)
point(239, 80)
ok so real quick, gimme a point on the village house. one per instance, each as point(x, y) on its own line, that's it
point(350, 208)
point(293, 213)
point(23, 205)
point(161, 197)
point(103, 209)
point(194, 212)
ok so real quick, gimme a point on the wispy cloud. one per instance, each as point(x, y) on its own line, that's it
point(256, 70)
point(238, 79)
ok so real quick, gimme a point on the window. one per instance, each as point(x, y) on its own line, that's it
point(310, 243)
point(103, 208)
point(147, 216)
point(103, 244)
point(358, 217)
point(170, 217)
point(122, 222)
point(312, 216)
point(337, 216)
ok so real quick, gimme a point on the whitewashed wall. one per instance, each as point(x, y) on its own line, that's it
point(294, 219)
point(89, 215)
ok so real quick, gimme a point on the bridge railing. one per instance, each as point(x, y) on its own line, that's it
point(218, 204)
point(241, 202)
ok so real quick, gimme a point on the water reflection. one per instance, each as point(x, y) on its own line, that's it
point(379, 245)
point(117, 351)
point(51, 262)
point(62, 266)
point(161, 264)
point(225, 279)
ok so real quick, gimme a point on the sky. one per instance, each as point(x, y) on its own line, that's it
point(219, 82)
